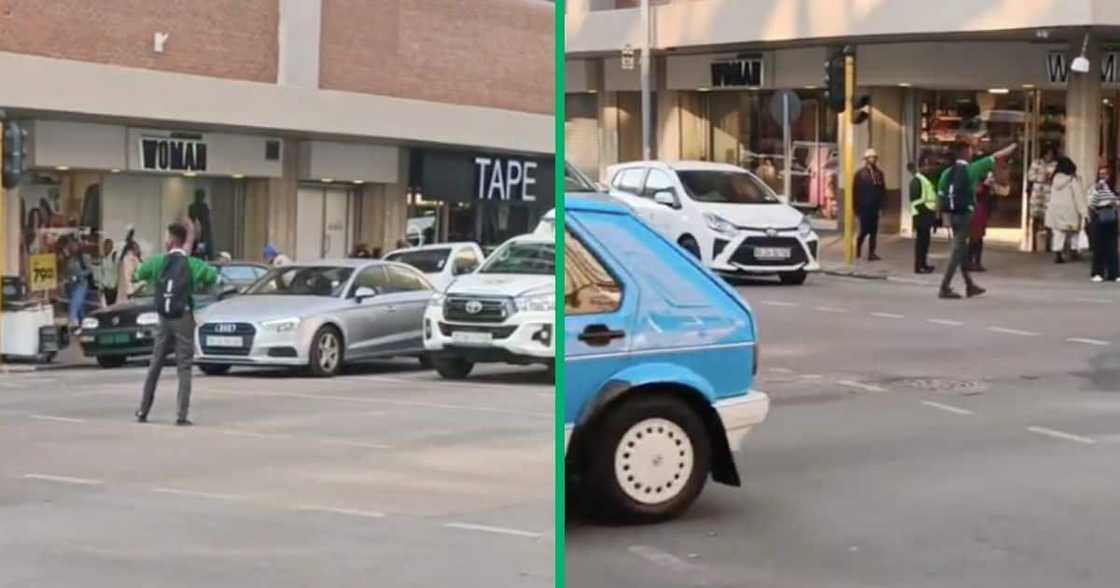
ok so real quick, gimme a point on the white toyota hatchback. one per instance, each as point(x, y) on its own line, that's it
point(723, 214)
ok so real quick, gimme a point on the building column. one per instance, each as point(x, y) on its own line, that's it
point(11, 232)
point(608, 130)
point(1083, 113)
point(385, 210)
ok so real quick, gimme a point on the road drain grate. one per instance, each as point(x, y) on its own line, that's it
point(947, 385)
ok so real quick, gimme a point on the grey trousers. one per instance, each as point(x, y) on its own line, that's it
point(961, 224)
point(178, 335)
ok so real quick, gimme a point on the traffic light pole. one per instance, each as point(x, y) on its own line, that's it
point(647, 116)
point(849, 159)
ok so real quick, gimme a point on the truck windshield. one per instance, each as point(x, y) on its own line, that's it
point(522, 257)
point(428, 261)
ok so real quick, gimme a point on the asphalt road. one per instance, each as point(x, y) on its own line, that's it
point(388, 476)
point(912, 442)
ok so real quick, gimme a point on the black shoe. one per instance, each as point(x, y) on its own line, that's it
point(979, 268)
point(1059, 258)
point(924, 270)
point(1075, 256)
point(949, 295)
point(930, 269)
point(183, 423)
point(974, 291)
point(141, 417)
point(873, 257)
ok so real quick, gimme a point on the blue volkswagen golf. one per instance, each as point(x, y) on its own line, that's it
point(660, 357)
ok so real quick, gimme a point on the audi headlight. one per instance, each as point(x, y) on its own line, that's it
point(804, 229)
point(90, 323)
point(147, 319)
point(436, 300)
point(281, 325)
point(719, 224)
point(538, 302)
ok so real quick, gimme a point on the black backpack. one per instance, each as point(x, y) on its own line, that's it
point(957, 196)
point(173, 288)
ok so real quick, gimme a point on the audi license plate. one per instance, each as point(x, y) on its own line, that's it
point(212, 341)
point(471, 338)
point(771, 252)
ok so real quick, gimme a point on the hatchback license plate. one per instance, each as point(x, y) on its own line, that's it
point(114, 339)
point(212, 341)
point(771, 252)
point(472, 338)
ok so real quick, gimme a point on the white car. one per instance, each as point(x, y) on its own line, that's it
point(723, 214)
point(503, 312)
point(441, 263)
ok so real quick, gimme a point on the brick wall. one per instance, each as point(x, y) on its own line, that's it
point(494, 53)
point(219, 38)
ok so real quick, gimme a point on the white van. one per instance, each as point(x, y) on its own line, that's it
point(723, 214)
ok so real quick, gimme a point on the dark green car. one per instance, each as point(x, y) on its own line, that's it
point(114, 334)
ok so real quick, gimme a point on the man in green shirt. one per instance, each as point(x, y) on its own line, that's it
point(957, 186)
point(177, 333)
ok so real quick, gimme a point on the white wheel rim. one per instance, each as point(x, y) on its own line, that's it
point(328, 352)
point(654, 461)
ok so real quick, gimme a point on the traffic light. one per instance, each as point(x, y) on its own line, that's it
point(834, 81)
point(15, 154)
point(861, 109)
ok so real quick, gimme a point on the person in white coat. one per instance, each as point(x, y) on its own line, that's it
point(1067, 210)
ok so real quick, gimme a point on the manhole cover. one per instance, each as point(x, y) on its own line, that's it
point(948, 385)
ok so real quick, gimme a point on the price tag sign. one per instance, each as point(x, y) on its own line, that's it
point(44, 272)
point(628, 58)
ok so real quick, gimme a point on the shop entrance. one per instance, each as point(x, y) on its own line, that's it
point(323, 223)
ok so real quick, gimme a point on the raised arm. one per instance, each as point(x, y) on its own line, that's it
point(1005, 151)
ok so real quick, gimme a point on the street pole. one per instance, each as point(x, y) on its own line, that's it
point(849, 159)
point(647, 152)
point(3, 245)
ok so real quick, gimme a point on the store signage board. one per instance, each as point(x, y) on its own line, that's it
point(172, 154)
point(505, 178)
point(628, 58)
point(44, 272)
point(1057, 67)
point(745, 71)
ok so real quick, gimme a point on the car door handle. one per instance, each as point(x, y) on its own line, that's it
point(599, 335)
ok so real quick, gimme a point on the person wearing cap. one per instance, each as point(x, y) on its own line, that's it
point(274, 258)
point(870, 197)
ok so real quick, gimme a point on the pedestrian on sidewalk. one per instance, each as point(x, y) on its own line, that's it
point(870, 197)
point(923, 209)
point(1067, 209)
point(978, 227)
point(77, 276)
point(1040, 175)
point(174, 277)
point(130, 262)
point(956, 190)
point(107, 269)
point(1104, 211)
point(273, 257)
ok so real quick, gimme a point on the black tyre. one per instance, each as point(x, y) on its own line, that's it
point(453, 368)
point(690, 245)
point(425, 361)
point(793, 278)
point(214, 369)
point(551, 371)
point(327, 353)
point(111, 361)
point(651, 461)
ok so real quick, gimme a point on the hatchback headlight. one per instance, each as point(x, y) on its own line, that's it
point(804, 229)
point(281, 325)
point(719, 224)
point(436, 300)
point(90, 323)
point(538, 302)
point(147, 319)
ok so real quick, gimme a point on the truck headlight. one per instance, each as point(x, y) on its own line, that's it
point(436, 300)
point(147, 319)
point(804, 229)
point(90, 323)
point(281, 325)
point(538, 302)
point(719, 224)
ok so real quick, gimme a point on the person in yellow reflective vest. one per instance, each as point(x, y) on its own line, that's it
point(923, 209)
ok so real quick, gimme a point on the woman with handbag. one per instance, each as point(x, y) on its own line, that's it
point(1103, 214)
point(1067, 209)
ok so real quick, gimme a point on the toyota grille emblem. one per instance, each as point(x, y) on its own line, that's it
point(226, 328)
point(771, 232)
point(473, 306)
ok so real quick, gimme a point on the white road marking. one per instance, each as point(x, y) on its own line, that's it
point(47, 417)
point(252, 434)
point(1093, 300)
point(1008, 331)
point(947, 407)
point(946, 322)
point(397, 402)
point(369, 514)
point(861, 386)
point(497, 530)
point(1056, 434)
point(347, 443)
point(780, 370)
point(201, 494)
point(63, 479)
point(1088, 341)
point(664, 559)
point(889, 315)
point(811, 377)
point(778, 303)
point(831, 309)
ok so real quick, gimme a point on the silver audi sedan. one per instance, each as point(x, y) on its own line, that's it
point(317, 316)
